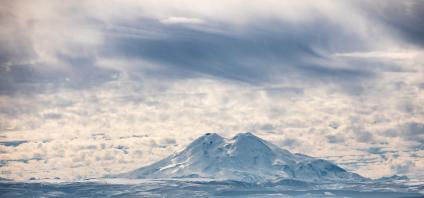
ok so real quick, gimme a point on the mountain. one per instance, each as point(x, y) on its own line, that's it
point(393, 178)
point(245, 157)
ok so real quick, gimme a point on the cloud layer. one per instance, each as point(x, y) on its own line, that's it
point(92, 88)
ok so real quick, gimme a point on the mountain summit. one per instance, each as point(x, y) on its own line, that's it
point(245, 157)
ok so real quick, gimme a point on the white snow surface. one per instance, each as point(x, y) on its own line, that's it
point(245, 157)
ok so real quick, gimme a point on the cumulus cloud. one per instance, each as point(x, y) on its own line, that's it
point(413, 131)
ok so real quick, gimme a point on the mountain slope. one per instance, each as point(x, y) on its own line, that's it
point(244, 157)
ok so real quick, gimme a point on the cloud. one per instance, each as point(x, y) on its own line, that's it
point(248, 56)
point(271, 42)
point(13, 143)
point(381, 54)
point(375, 150)
point(333, 139)
point(103, 87)
point(365, 137)
point(289, 143)
point(403, 168)
point(413, 131)
point(181, 20)
point(52, 116)
point(409, 131)
point(404, 18)
point(128, 120)
point(168, 141)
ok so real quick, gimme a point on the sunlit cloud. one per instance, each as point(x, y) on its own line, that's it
point(395, 54)
point(181, 20)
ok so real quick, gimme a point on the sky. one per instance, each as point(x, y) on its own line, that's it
point(89, 88)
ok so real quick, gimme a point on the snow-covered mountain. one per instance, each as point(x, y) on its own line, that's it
point(244, 157)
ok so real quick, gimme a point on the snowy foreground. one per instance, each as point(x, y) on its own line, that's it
point(213, 166)
point(185, 188)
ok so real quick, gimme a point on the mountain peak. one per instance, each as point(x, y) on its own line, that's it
point(245, 134)
point(209, 134)
point(247, 146)
point(245, 157)
point(249, 139)
point(207, 138)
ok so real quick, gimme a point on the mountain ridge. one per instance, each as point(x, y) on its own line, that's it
point(245, 157)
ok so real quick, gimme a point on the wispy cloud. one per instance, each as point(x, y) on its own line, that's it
point(181, 20)
point(395, 54)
